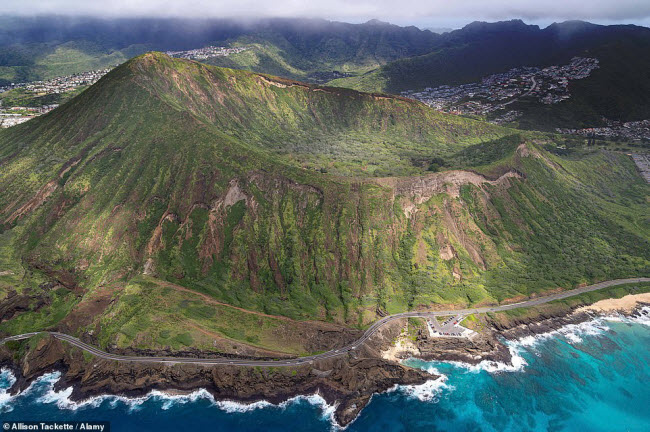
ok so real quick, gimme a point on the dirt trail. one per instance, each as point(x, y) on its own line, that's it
point(221, 338)
point(209, 299)
point(217, 302)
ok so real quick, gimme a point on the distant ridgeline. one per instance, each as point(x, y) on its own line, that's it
point(169, 177)
point(33, 48)
point(373, 56)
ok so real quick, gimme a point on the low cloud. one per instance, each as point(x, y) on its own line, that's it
point(408, 10)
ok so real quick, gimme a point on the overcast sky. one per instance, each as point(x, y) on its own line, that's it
point(422, 13)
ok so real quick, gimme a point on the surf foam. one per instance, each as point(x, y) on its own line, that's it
point(62, 400)
point(7, 380)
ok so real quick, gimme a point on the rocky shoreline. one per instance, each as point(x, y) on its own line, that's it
point(347, 383)
point(552, 322)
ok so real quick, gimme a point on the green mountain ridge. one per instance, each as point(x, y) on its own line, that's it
point(168, 177)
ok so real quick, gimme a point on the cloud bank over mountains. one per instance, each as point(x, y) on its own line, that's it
point(409, 11)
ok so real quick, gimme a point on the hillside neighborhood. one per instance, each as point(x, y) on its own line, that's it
point(615, 130)
point(60, 84)
point(206, 52)
point(549, 85)
point(14, 115)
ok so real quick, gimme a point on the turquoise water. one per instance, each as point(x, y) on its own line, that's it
point(591, 377)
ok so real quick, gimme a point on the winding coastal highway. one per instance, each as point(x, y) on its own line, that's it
point(329, 354)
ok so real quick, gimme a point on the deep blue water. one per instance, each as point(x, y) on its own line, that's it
point(592, 377)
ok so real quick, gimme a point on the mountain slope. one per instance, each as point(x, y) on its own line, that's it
point(169, 182)
point(362, 133)
point(619, 89)
point(316, 49)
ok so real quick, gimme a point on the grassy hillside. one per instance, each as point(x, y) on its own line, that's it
point(195, 195)
point(316, 128)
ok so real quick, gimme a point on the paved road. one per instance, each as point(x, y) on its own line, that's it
point(530, 90)
point(334, 353)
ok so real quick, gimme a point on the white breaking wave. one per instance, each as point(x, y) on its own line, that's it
point(63, 401)
point(517, 363)
point(314, 399)
point(7, 379)
point(327, 410)
point(573, 333)
point(642, 317)
point(429, 391)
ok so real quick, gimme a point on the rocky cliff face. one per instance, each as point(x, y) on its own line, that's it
point(277, 235)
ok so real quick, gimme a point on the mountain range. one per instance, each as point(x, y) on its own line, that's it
point(374, 56)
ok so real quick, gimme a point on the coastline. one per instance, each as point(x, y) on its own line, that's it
point(626, 304)
point(63, 399)
point(343, 387)
point(347, 383)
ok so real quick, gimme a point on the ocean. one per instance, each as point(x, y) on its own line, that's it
point(588, 377)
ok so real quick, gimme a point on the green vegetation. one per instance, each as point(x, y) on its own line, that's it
point(414, 326)
point(147, 314)
point(493, 152)
point(15, 275)
point(582, 247)
point(262, 56)
point(322, 129)
point(61, 302)
point(315, 49)
point(325, 50)
point(261, 193)
point(564, 306)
